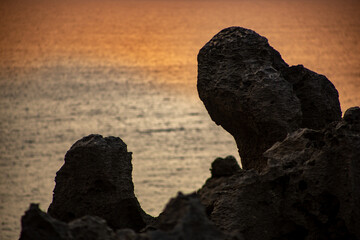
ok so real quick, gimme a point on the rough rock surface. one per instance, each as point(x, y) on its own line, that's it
point(221, 167)
point(250, 91)
point(183, 218)
point(318, 97)
point(310, 189)
point(96, 180)
point(37, 225)
point(90, 228)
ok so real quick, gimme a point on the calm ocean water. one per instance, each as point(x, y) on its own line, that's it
point(128, 69)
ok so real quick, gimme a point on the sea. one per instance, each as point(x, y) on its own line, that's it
point(129, 69)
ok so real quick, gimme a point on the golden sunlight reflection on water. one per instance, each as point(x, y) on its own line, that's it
point(322, 35)
point(128, 68)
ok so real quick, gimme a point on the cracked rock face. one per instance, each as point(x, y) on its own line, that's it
point(250, 91)
point(96, 179)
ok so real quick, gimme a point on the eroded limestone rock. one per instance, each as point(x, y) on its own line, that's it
point(96, 180)
point(250, 91)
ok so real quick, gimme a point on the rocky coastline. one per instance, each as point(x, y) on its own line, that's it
point(300, 175)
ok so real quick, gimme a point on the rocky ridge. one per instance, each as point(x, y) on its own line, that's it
point(309, 190)
point(300, 159)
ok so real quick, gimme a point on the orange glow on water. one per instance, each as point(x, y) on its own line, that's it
point(65, 67)
point(323, 35)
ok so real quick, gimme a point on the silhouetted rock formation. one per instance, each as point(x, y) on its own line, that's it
point(37, 225)
point(221, 167)
point(301, 161)
point(96, 180)
point(318, 97)
point(183, 218)
point(251, 92)
point(310, 189)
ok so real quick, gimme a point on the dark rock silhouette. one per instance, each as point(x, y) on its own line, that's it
point(301, 177)
point(310, 189)
point(37, 225)
point(91, 228)
point(252, 93)
point(224, 167)
point(183, 218)
point(96, 180)
point(318, 97)
point(352, 115)
point(129, 234)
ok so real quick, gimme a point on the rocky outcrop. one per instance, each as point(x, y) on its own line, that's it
point(318, 97)
point(310, 189)
point(183, 218)
point(301, 162)
point(96, 180)
point(37, 225)
point(252, 93)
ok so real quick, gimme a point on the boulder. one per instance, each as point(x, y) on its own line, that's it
point(96, 180)
point(352, 116)
point(309, 190)
point(250, 91)
point(224, 167)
